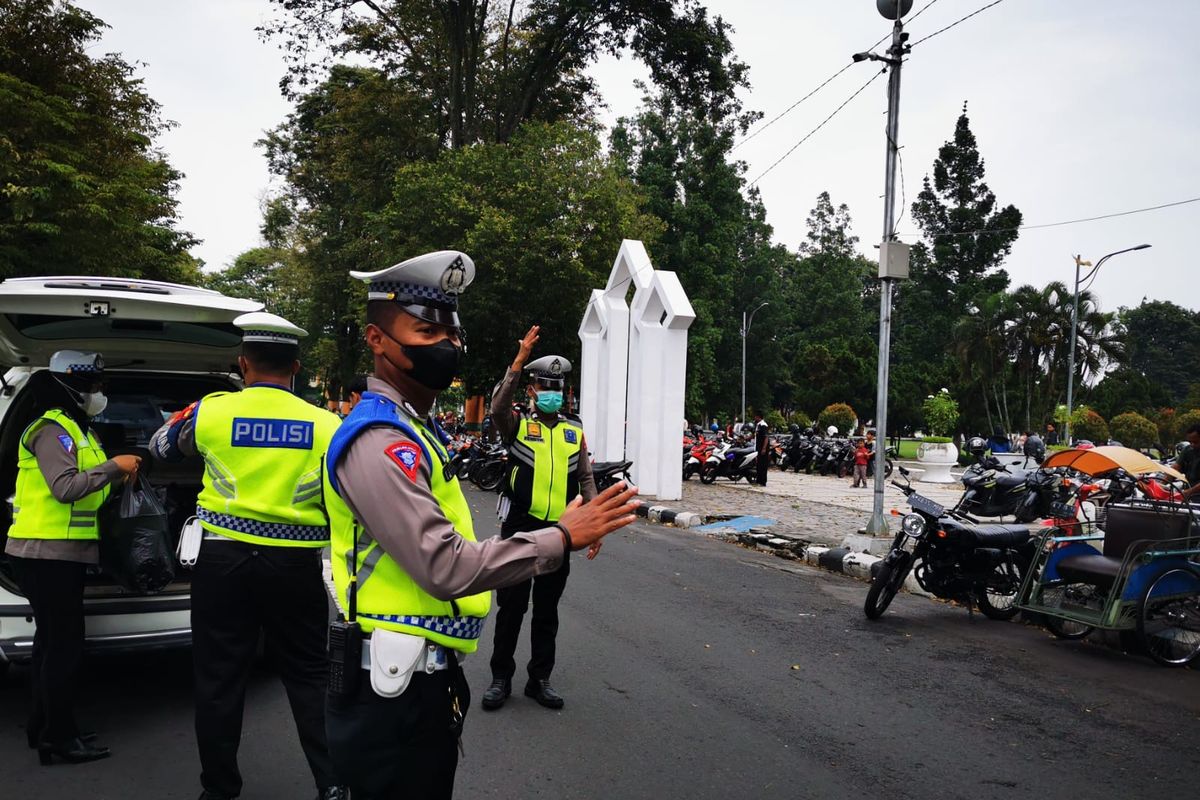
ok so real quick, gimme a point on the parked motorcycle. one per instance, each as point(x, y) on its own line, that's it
point(696, 457)
point(488, 471)
point(953, 559)
point(730, 462)
point(608, 473)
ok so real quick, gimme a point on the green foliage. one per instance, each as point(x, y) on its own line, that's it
point(1133, 430)
point(541, 216)
point(775, 420)
point(839, 414)
point(1091, 426)
point(1167, 423)
point(82, 189)
point(1126, 389)
point(1185, 421)
point(938, 439)
point(1164, 346)
point(799, 418)
point(940, 412)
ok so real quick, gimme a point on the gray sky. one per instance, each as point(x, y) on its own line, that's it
point(1080, 109)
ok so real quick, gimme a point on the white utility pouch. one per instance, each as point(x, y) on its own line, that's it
point(394, 657)
point(189, 542)
point(503, 506)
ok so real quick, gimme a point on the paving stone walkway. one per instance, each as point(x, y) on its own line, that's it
point(814, 508)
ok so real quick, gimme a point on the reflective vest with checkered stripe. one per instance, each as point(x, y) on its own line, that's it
point(543, 464)
point(36, 512)
point(264, 451)
point(387, 597)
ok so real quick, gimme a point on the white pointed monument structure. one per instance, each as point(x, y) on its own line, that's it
point(634, 371)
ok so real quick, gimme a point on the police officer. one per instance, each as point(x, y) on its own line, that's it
point(262, 509)
point(420, 578)
point(549, 467)
point(63, 476)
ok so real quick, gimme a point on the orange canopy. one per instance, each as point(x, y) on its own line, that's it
point(1098, 460)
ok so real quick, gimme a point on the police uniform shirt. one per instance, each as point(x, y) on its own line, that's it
point(59, 465)
point(393, 502)
point(506, 424)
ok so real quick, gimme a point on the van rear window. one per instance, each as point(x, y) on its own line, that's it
point(41, 326)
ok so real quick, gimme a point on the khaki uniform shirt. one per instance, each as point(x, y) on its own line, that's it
point(402, 514)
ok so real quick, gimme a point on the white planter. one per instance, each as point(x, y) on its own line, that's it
point(937, 458)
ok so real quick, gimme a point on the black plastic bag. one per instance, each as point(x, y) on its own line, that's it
point(135, 539)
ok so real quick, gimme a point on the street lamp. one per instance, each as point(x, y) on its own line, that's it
point(745, 331)
point(1075, 330)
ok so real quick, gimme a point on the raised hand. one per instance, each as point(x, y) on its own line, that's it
point(611, 510)
point(525, 347)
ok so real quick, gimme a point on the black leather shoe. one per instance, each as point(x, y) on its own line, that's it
point(496, 694)
point(541, 691)
point(84, 736)
point(75, 751)
point(334, 793)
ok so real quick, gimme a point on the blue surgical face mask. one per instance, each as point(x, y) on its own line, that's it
point(549, 402)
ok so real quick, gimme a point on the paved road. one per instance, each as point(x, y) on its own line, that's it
point(696, 669)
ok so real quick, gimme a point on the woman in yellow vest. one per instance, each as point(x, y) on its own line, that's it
point(62, 478)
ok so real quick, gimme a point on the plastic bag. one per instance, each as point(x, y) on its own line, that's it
point(135, 540)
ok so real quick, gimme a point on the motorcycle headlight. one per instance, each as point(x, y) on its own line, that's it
point(913, 525)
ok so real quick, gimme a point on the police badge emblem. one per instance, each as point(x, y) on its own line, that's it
point(454, 279)
point(556, 367)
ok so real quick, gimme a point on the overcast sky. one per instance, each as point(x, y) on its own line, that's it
point(1080, 109)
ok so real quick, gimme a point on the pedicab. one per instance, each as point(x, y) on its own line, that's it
point(1139, 576)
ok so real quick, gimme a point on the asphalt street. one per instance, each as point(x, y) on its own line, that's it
point(696, 669)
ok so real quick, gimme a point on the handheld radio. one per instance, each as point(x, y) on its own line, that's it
point(345, 639)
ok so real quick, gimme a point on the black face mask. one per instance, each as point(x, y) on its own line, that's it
point(435, 366)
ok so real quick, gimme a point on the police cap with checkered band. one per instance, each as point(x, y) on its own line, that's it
point(259, 326)
point(548, 371)
point(427, 286)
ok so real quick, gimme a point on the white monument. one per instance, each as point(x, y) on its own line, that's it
point(634, 371)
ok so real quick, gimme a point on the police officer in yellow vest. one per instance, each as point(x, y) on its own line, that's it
point(264, 517)
point(549, 467)
point(62, 478)
point(410, 575)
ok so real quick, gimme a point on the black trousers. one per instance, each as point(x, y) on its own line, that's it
point(512, 603)
point(761, 463)
point(238, 591)
point(398, 748)
point(54, 590)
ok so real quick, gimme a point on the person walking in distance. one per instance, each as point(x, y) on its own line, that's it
point(762, 445)
point(549, 467)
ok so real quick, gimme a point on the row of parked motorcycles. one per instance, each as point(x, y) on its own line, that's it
point(736, 457)
point(954, 554)
point(486, 465)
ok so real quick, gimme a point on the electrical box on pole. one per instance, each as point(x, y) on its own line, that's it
point(893, 260)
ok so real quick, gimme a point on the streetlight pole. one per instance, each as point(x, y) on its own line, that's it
point(893, 10)
point(746, 323)
point(1079, 262)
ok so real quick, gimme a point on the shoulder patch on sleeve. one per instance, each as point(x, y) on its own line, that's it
point(67, 442)
point(406, 456)
point(179, 416)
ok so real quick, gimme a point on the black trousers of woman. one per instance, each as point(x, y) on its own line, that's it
point(54, 590)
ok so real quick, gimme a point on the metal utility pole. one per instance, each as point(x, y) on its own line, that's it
point(893, 263)
point(1079, 262)
point(746, 323)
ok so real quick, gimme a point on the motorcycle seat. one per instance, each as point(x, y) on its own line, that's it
point(608, 466)
point(1007, 480)
point(1000, 535)
point(741, 451)
point(1092, 569)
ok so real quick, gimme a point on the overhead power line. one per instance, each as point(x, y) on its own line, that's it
point(1058, 224)
point(957, 22)
point(787, 110)
point(810, 134)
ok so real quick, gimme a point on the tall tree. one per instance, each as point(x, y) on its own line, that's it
point(967, 238)
point(82, 188)
point(488, 67)
point(1163, 340)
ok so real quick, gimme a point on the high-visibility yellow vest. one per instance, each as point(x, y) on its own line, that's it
point(387, 597)
point(264, 451)
point(544, 462)
point(36, 513)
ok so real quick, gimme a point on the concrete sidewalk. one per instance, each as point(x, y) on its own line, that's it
point(812, 508)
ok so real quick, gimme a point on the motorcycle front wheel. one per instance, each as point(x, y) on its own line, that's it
point(884, 586)
point(887, 468)
point(997, 597)
point(491, 476)
point(708, 475)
